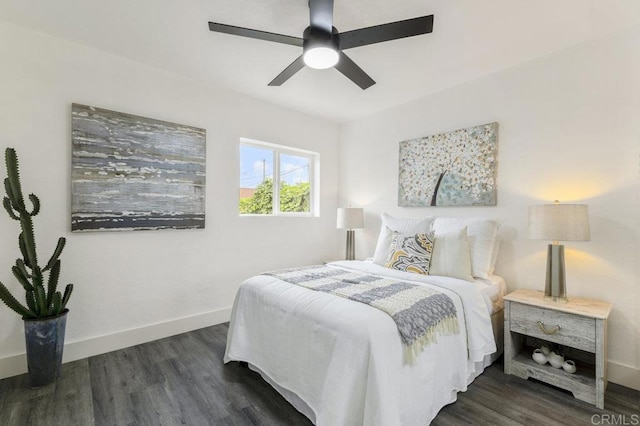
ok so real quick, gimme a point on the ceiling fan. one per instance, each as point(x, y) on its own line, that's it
point(322, 44)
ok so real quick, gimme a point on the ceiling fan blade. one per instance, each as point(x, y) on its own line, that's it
point(321, 12)
point(353, 72)
point(386, 32)
point(288, 72)
point(260, 35)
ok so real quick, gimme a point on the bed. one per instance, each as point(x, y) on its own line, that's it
point(341, 362)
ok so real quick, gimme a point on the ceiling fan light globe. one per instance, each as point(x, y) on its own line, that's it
point(321, 57)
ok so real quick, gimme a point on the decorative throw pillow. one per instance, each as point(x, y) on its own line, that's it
point(402, 225)
point(450, 256)
point(482, 234)
point(410, 252)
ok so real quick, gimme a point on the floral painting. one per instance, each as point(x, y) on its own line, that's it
point(449, 169)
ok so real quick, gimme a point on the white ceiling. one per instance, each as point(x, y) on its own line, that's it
point(470, 38)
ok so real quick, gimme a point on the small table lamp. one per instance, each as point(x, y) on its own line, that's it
point(350, 218)
point(558, 222)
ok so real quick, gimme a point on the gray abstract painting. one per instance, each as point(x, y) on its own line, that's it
point(135, 173)
point(449, 169)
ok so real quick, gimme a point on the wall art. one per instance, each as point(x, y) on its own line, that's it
point(135, 173)
point(449, 169)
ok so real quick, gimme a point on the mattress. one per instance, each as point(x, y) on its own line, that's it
point(493, 289)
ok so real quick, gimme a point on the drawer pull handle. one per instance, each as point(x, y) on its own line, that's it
point(545, 330)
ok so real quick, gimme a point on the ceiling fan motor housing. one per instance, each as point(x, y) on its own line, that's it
point(318, 37)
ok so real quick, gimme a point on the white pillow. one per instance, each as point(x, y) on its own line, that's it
point(403, 225)
point(450, 257)
point(482, 235)
point(496, 249)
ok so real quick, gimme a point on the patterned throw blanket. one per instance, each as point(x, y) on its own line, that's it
point(420, 312)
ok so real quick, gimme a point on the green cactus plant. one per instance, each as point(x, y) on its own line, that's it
point(40, 302)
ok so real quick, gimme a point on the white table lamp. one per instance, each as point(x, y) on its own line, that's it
point(558, 222)
point(350, 218)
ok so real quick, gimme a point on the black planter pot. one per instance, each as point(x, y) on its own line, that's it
point(45, 342)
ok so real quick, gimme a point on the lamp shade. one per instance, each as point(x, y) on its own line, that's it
point(559, 222)
point(350, 218)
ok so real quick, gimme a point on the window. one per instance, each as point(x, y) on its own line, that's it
point(277, 180)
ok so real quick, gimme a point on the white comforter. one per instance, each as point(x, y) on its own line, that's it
point(341, 362)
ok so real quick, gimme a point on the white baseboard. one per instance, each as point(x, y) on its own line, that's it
point(17, 364)
point(624, 375)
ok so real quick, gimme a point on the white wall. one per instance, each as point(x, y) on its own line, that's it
point(137, 286)
point(569, 130)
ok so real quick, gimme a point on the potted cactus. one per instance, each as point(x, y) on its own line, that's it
point(45, 312)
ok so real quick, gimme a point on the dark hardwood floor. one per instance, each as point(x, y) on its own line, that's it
point(181, 380)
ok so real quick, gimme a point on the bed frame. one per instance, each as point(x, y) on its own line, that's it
point(497, 323)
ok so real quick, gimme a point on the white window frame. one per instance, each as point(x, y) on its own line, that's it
point(314, 177)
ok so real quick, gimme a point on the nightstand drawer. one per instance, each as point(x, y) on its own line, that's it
point(562, 328)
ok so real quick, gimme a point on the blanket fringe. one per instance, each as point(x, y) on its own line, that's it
point(446, 327)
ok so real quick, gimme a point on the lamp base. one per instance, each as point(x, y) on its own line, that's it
point(555, 287)
point(351, 244)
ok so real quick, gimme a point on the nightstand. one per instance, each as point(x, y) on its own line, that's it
point(579, 326)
